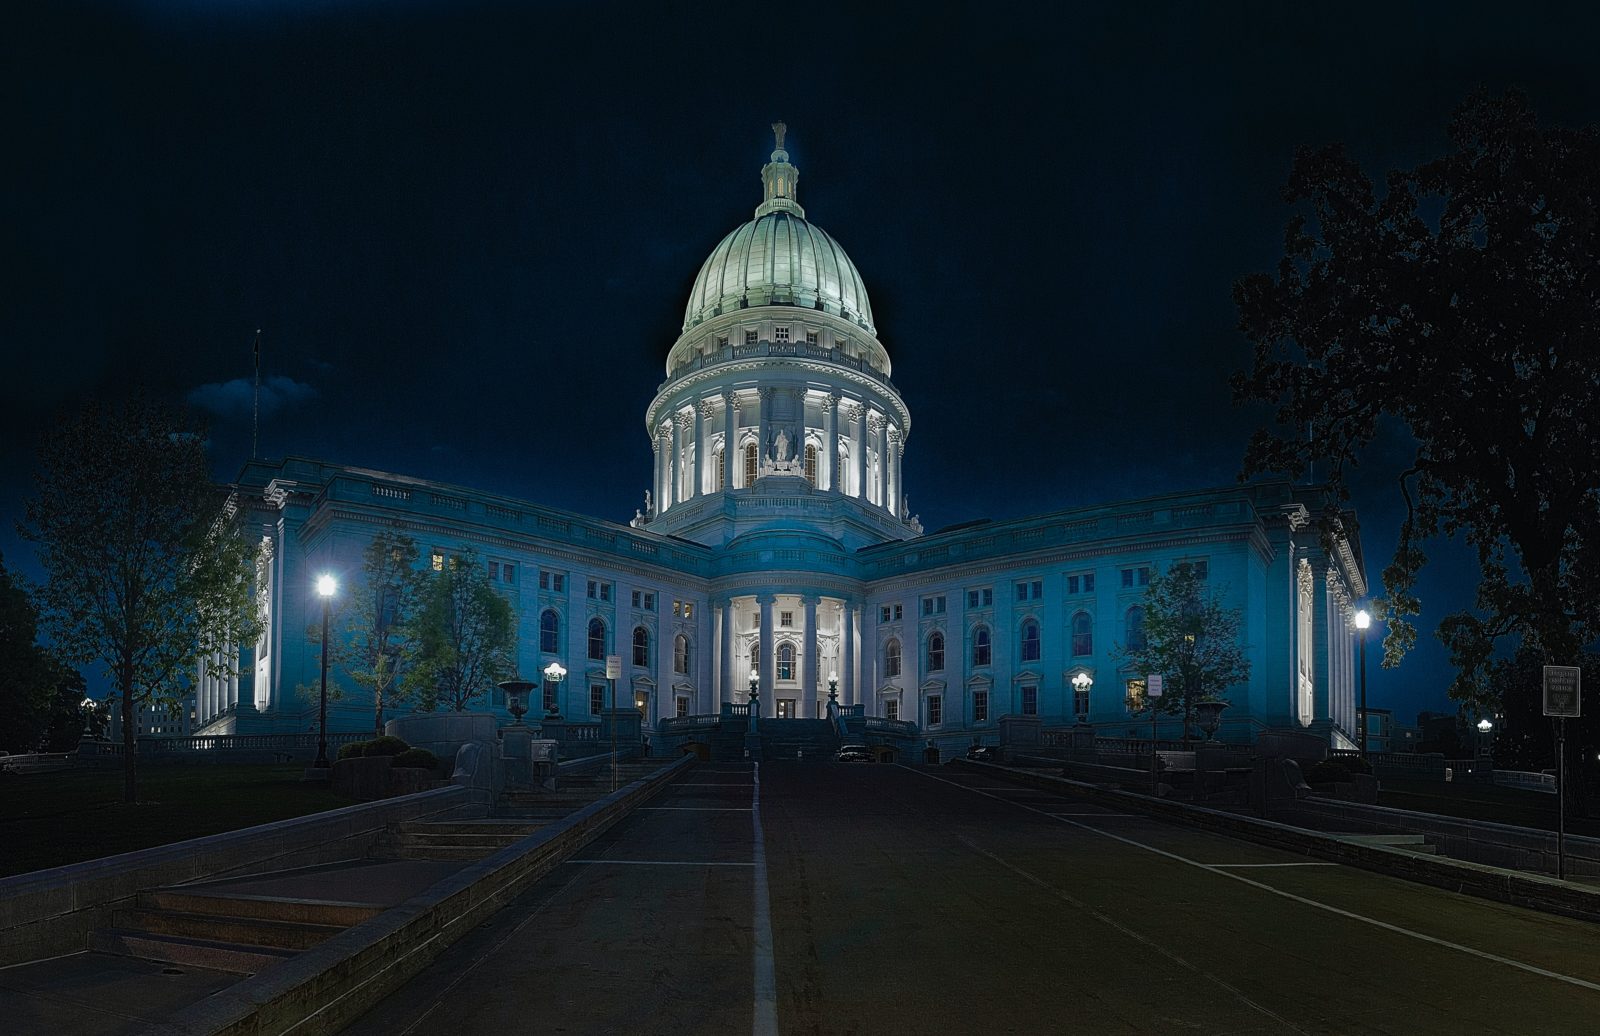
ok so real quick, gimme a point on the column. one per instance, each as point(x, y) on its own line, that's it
point(858, 441)
point(811, 681)
point(763, 424)
point(730, 429)
point(891, 480)
point(875, 436)
point(704, 466)
point(847, 634)
point(675, 479)
point(664, 491)
point(733, 679)
point(655, 483)
point(719, 657)
point(830, 442)
point(769, 674)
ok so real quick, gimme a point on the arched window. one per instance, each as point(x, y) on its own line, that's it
point(550, 631)
point(936, 652)
point(1082, 635)
point(750, 464)
point(982, 648)
point(811, 465)
point(680, 654)
point(597, 639)
point(1030, 641)
point(891, 659)
point(722, 469)
point(755, 661)
point(786, 661)
point(1135, 629)
point(641, 646)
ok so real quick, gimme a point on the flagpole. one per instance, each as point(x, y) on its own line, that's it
point(255, 416)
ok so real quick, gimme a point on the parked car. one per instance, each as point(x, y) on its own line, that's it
point(984, 753)
point(853, 754)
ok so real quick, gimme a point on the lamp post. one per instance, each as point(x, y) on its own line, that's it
point(1485, 745)
point(833, 694)
point(1363, 620)
point(554, 673)
point(1081, 684)
point(327, 586)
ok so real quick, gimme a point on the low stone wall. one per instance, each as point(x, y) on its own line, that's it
point(51, 912)
point(1534, 891)
point(325, 988)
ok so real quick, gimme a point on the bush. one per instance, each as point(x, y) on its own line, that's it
point(385, 745)
point(1356, 764)
point(354, 750)
point(416, 759)
point(1328, 771)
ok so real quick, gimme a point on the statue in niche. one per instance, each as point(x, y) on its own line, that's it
point(647, 501)
point(780, 447)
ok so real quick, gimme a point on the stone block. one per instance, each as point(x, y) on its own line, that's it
point(363, 778)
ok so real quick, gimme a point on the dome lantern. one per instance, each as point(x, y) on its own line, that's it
point(781, 180)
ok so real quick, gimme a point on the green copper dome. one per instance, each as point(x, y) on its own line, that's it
point(779, 259)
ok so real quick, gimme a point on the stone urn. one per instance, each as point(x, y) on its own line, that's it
point(1209, 715)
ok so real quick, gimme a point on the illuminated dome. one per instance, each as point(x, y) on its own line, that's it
point(779, 259)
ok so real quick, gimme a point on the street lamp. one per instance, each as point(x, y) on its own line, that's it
point(1081, 684)
point(554, 673)
point(1363, 620)
point(755, 689)
point(833, 694)
point(327, 586)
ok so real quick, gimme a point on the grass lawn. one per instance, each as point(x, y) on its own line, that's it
point(1482, 802)
point(50, 819)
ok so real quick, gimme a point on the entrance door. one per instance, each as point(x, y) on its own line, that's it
point(786, 708)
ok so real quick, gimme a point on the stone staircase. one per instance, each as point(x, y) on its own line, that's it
point(232, 933)
point(451, 840)
point(815, 739)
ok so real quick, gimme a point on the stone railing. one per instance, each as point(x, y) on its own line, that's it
point(730, 708)
point(899, 727)
point(684, 724)
point(287, 744)
point(763, 349)
point(852, 710)
point(1545, 782)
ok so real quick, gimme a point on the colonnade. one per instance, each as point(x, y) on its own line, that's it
point(755, 621)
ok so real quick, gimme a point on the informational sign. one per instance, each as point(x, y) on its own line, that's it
point(1563, 691)
point(613, 667)
point(1152, 685)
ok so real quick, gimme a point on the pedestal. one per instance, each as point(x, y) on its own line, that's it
point(516, 748)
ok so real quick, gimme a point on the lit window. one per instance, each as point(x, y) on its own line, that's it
point(1030, 641)
point(1134, 699)
point(982, 649)
point(1030, 700)
point(1082, 635)
point(750, 464)
point(438, 562)
point(683, 706)
point(722, 469)
point(811, 465)
point(980, 706)
point(935, 710)
point(891, 659)
point(641, 646)
point(780, 334)
point(597, 639)
point(786, 661)
point(549, 631)
point(936, 652)
point(680, 654)
point(1080, 700)
point(891, 708)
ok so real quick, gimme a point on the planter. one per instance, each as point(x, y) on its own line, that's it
point(363, 778)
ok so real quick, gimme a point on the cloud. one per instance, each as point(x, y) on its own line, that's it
point(236, 398)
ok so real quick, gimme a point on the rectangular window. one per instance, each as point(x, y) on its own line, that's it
point(980, 706)
point(889, 613)
point(683, 707)
point(677, 608)
point(780, 334)
point(786, 620)
point(1081, 584)
point(1030, 701)
point(1031, 590)
point(1080, 701)
point(508, 573)
point(597, 698)
point(599, 591)
point(1132, 577)
point(933, 605)
point(638, 598)
point(935, 710)
point(891, 709)
point(438, 561)
point(811, 338)
point(983, 598)
point(550, 695)
point(749, 338)
point(722, 341)
point(494, 571)
point(1135, 696)
point(1201, 569)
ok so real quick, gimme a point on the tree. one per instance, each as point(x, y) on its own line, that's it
point(1191, 639)
point(1476, 329)
point(466, 636)
point(379, 645)
point(147, 573)
point(28, 675)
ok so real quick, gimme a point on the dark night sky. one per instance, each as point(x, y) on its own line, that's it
point(469, 229)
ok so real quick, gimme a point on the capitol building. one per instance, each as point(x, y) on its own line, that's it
point(776, 537)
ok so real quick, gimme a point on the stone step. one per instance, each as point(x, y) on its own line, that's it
point(310, 911)
point(488, 826)
point(247, 931)
point(432, 852)
point(196, 953)
point(488, 841)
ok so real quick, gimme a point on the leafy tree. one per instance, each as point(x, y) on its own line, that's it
point(1189, 638)
point(1463, 301)
point(466, 636)
point(379, 644)
point(147, 573)
point(28, 675)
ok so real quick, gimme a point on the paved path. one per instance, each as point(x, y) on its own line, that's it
point(902, 900)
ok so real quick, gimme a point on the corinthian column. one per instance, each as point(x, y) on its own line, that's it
point(730, 430)
point(830, 443)
point(811, 683)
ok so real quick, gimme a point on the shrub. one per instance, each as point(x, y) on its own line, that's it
point(385, 745)
point(416, 759)
point(354, 750)
point(1356, 764)
point(1327, 771)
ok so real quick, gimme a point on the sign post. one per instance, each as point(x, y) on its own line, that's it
point(613, 673)
point(1152, 691)
point(1563, 699)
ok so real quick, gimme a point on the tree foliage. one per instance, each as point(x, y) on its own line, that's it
point(31, 680)
point(379, 643)
point(147, 573)
point(466, 636)
point(1190, 638)
point(1464, 301)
